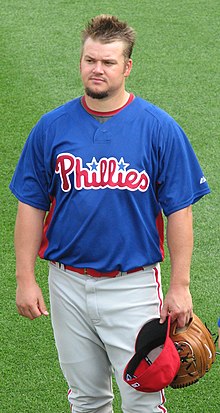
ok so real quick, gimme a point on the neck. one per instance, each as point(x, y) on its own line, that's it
point(107, 104)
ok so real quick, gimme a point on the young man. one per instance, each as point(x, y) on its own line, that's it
point(105, 166)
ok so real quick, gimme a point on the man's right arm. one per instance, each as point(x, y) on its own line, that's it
point(28, 236)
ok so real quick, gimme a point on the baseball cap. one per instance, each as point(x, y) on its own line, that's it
point(156, 360)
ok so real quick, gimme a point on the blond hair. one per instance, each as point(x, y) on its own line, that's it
point(107, 29)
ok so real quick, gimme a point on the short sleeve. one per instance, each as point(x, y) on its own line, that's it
point(181, 181)
point(29, 183)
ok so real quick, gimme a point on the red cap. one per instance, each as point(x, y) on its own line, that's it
point(156, 360)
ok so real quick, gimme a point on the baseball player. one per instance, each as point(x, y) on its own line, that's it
point(93, 180)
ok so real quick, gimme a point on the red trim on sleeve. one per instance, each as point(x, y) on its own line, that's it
point(45, 241)
point(160, 229)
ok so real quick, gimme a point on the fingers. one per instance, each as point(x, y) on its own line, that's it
point(177, 304)
point(183, 317)
point(27, 312)
point(30, 302)
point(32, 311)
point(164, 313)
point(42, 307)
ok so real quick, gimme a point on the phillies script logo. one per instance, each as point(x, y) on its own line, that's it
point(107, 173)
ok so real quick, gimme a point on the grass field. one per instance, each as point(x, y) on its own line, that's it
point(176, 66)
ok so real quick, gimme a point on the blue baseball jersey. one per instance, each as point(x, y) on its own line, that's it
point(106, 186)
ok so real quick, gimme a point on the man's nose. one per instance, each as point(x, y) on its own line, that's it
point(98, 67)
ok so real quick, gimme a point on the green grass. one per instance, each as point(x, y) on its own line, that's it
point(176, 66)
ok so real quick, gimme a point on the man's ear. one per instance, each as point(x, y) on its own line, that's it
point(128, 67)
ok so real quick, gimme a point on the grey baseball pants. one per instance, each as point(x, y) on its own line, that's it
point(95, 323)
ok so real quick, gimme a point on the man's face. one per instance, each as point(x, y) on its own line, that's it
point(103, 68)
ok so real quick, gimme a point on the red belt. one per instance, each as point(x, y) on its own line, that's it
point(94, 273)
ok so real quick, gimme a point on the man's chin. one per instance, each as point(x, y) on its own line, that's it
point(96, 95)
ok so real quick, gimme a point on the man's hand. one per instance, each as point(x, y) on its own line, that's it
point(30, 302)
point(178, 304)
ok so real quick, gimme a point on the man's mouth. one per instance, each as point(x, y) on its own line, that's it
point(97, 80)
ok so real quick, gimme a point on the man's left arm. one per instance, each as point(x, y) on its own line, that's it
point(178, 300)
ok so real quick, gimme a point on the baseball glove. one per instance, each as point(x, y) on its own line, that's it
point(196, 349)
